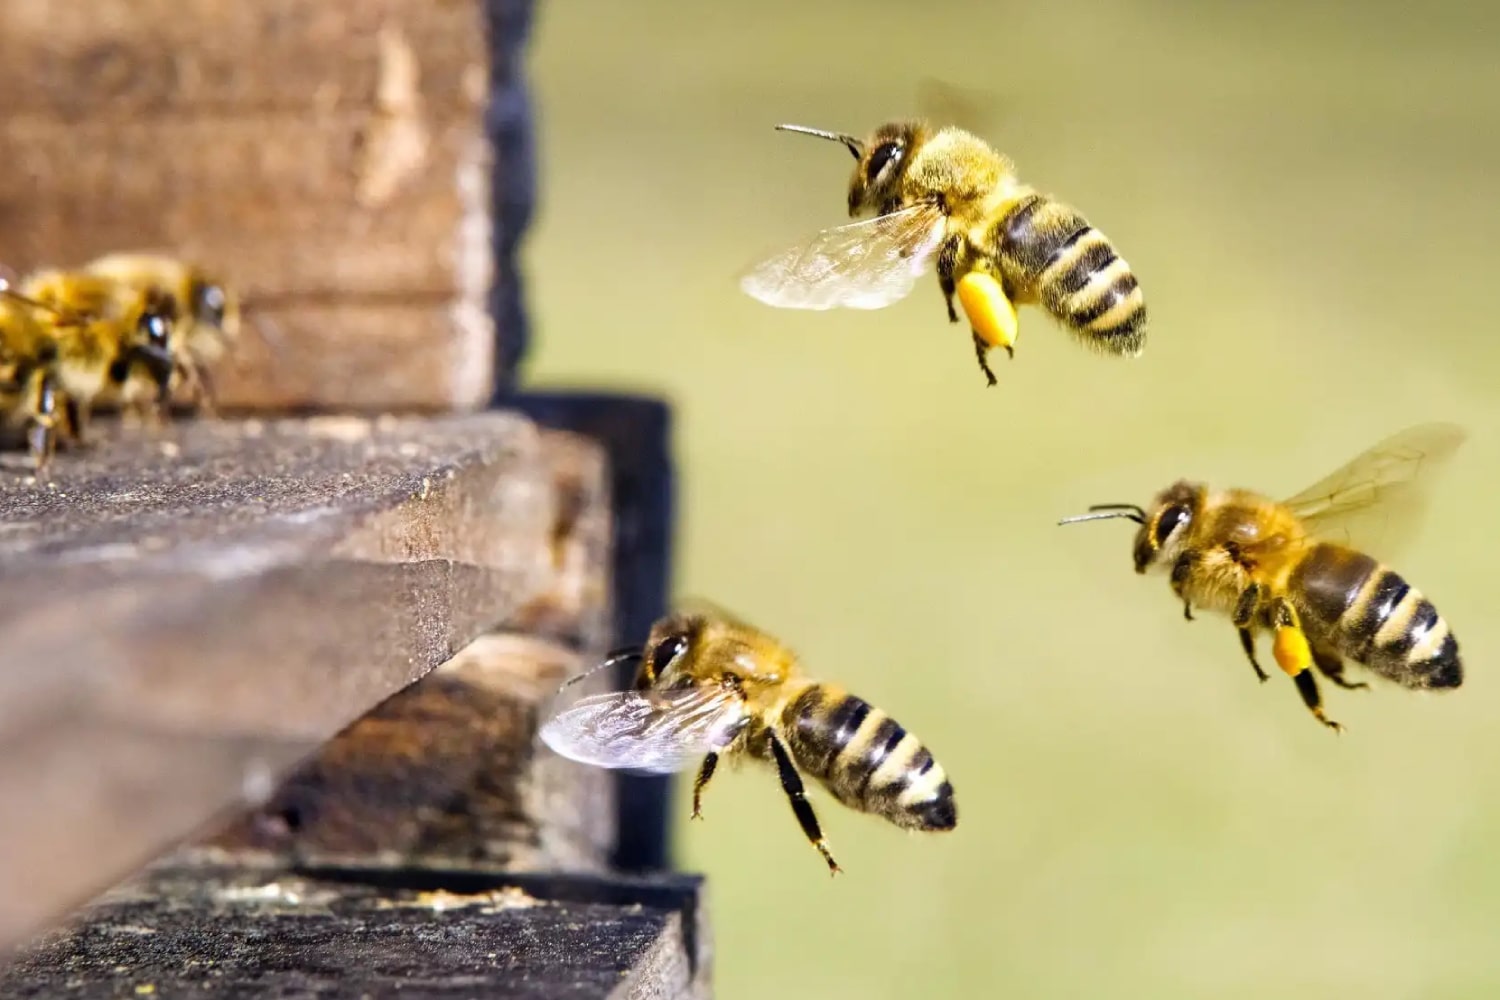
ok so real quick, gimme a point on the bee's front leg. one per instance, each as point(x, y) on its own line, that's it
point(1182, 572)
point(705, 775)
point(47, 407)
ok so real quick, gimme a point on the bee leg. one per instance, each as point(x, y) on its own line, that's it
point(791, 783)
point(77, 414)
point(1294, 655)
point(705, 773)
point(980, 350)
point(947, 260)
point(1331, 665)
point(201, 388)
point(1247, 642)
point(1182, 569)
point(1244, 614)
point(41, 436)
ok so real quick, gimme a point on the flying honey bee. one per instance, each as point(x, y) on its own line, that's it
point(1274, 566)
point(710, 686)
point(943, 195)
point(206, 322)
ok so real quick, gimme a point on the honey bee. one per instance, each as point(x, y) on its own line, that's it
point(114, 344)
point(943, 195)
point(31, 398)
point(710, 686)
point(207, 317)
point(65, 342)
point(1273, 566)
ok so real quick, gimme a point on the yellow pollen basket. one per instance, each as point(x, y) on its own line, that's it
point(1291, 650)
point(990, 311)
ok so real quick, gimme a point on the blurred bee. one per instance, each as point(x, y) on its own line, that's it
point(1272, 566)
point(710, 686)
point(206, 322)
point(944, 196)
point(31, 398)
point(114, 343)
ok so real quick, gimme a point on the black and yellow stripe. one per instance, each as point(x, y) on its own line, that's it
point(1368, 614)
point(1049, 253)
point(867, 760)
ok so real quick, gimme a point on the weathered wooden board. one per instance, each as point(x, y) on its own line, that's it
point(186, 931)
point(447, 772)
point(189, 614)
point(328, 158)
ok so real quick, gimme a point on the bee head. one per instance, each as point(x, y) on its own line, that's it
point(1167, 524)
point(880, 162)
point(669, 648)
point(876, 184)
point(1164, 527)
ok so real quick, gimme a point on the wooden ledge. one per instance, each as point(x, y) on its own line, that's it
point(187, 931)
point(190, 613)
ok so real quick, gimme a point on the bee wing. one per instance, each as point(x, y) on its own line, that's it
point(656, 731)
point(864, 265)
point(943, 102)
point(1384, 490)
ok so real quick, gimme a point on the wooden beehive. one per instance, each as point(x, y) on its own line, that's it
point(326, 158)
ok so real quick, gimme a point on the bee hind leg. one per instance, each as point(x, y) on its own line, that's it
point(1331, 665)
point(1294, 655)
point(705, 774)
point(981, 349)
point(791, 783)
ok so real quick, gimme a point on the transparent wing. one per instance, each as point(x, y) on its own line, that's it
point(864, 265)
point(657, 731)
point(1383, 492)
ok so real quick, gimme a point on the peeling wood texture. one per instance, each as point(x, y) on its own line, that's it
point(189, 614)
point(186, 931)
point(329, 159)
point(447, 772)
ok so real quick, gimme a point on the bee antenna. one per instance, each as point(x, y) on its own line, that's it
point(625, 655)
point(854, 145)
point(9, 291)
point(1106, 511)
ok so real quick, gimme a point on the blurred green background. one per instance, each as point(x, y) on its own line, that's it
point(1306, 192)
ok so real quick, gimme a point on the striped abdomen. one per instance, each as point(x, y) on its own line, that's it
point(867, 760)
point(1368, 614)
point(1049, 253)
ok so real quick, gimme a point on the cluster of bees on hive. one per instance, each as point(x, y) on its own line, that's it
point(708, 685)
point(125, 332)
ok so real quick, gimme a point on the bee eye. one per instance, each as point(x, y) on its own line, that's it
point(210, 304)
point(886, 154)
point(1168, 522)
point(156, 328)
point(666, 651)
